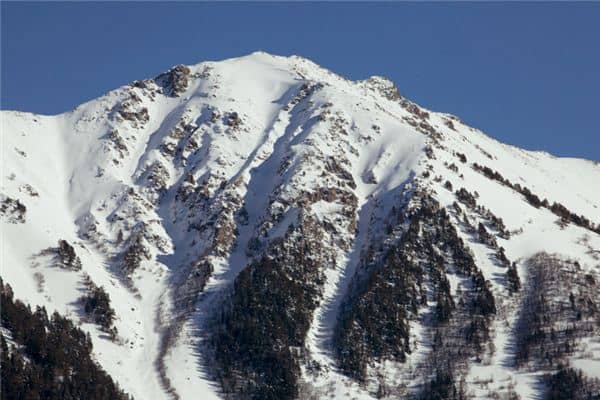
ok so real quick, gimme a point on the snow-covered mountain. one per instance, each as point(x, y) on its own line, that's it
point(265, 228)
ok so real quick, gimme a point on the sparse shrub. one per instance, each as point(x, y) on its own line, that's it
point(96, 305)
point(512, 277)
point(67, 257)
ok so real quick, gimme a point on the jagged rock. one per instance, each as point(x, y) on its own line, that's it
point(12, 210)
point(384, 86)
point(117, 142)
point(140, 115)
point(175, 81)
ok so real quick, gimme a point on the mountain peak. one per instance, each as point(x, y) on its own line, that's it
point(283, 232)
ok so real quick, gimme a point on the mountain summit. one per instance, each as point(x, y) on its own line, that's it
point(263, 228)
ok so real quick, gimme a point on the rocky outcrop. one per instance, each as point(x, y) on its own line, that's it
point(175, 81)
point(12, 210)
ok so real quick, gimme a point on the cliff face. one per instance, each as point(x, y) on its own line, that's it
point(264, 228)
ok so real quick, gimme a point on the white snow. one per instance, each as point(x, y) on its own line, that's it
point(80, 176)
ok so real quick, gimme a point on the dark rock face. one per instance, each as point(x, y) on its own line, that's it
point(13, 210)
point(175, 81)
point(141, 115)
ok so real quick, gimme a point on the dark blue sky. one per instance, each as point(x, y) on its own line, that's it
point(527, 74)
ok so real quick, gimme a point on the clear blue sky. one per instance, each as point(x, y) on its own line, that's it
point(527, 74)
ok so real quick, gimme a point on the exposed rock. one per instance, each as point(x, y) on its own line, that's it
point(12, 210)
point(140, 115)
point(232, 119)
point(385, 87)
point(27, 188)
point(117, 142)
point(175, 81)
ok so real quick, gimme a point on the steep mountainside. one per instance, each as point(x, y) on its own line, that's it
point(262, 228)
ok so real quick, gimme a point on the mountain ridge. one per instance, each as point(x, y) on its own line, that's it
point(176, 192)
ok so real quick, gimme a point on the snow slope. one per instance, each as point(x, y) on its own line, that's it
point(203, 162)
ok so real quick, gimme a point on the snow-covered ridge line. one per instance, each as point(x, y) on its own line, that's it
point(171, 190)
